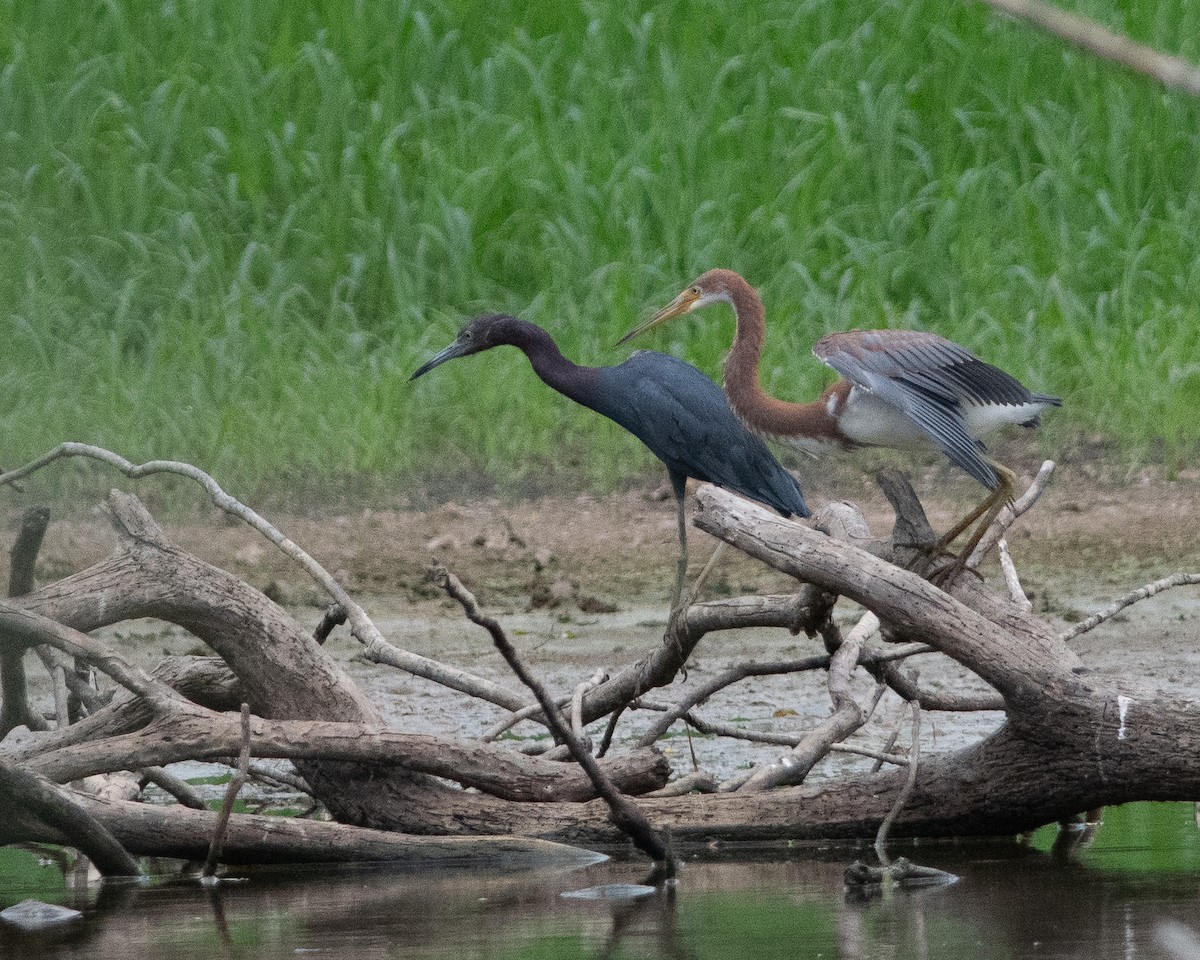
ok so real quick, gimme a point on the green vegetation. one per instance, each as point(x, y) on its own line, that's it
point(229, 229)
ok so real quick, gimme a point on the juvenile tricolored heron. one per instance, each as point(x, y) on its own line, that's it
point(674, 409)
point(902, 389)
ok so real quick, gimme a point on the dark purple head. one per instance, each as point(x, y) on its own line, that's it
point(482, 333)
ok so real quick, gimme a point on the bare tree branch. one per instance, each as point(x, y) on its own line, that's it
point(910, 781)
point(624, 813)
point(1010, 514)
point(236, 782)
point(33, 795)
point(1134, 596)
point(1091, 36)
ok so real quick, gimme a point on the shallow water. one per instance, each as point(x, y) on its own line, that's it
point(1012, 901)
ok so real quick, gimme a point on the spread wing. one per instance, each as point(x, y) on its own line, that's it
point(930, 379)
point(686, 421)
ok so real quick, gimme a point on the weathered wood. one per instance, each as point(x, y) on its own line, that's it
point(41, 805)
point(14, 707)
point(150, 830)
point(494, 769)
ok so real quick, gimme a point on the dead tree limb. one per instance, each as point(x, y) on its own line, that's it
point(625, 814)
point(910, 780)
point(15, 710)
point(1011, 513)
point(194, 734)
point(151, 830)
point(42, 802)
point(236, 782)
point(377, 648)
point(848, 715)
point(1134, 596)
point(733, 675)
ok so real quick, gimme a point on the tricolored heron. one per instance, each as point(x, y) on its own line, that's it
point(901, 389)
point(674, 409)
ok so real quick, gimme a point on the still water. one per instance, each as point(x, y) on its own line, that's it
point(1108, 899)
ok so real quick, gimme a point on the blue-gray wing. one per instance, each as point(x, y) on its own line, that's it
point(929, 378)
point(686, 421)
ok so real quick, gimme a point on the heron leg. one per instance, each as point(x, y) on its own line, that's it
point(989, 509)
point(681, 565)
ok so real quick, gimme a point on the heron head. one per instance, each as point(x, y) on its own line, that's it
point(710, 287)
point(482, 333)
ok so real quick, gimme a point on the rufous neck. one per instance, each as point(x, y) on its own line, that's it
point(762, 412)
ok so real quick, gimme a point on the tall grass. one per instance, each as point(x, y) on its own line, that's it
point(229, 229)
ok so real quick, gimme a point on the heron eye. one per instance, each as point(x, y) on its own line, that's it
point(695, 291)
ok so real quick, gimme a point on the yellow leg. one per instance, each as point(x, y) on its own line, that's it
point(989, 509)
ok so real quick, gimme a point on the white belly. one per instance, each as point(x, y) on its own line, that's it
point(873, 422)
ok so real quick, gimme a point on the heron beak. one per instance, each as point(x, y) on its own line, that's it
point(456, 349)
point(683, 303)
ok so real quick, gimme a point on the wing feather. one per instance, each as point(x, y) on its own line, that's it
point(928, 378)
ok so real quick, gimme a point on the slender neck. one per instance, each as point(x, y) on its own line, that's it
point(762, 412)
point(554, 370)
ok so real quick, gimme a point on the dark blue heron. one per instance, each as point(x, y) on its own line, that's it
point(674, 409)
point(902, 389)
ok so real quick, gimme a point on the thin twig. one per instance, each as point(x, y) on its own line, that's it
point(1015, 591)
point(516, 717)
point(708, 568)
point(236, 782)
point(906, 791)
point(879, 756)
point(1141, 593)
point(1105, 43)
point(733, 675)
point(1009, 515)
point(893, 736)
point(625, 814)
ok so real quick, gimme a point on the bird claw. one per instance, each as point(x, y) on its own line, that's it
point(945, 575)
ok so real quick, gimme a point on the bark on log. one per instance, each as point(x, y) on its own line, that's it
point(149, 830)
point(34, 804)
point(493, 769)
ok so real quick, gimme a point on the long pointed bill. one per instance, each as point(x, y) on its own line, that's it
point(681, 304)
point(456, 349)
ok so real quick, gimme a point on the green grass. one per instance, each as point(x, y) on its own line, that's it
point(229, 230)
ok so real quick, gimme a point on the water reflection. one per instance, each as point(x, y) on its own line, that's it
point(1013, 901)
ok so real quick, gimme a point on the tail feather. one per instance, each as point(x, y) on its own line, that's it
point(1046, 400)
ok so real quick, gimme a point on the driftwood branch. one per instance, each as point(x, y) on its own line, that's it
point(848, 715)
point(52, 807)
point(905, 791)
point(196, 734)
point(1134, 596)
point(625, 814)
point(15, 710)
point(236, 782)
point(1011, 513)
point(151, 830)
